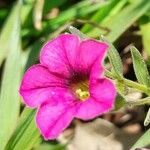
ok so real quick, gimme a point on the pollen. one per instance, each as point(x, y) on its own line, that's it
point(80, 88)
point(82, 95)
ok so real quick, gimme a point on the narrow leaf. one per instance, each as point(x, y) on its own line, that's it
point(101, 14)
point(125, 18)
point(140, 67)
point(7, 32)
point(147, 119)
point(145, 30)
point(79, 10)
point(26, 133)
point(143, 141)
point(141, 74)
point(26, 11)
point(75, 31)
point(121, 20)
point(51, 147)
point(114, 58)
point(9, 98)
point(119, 102)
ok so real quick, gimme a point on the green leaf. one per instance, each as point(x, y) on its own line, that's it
point(125, 18)
point(140, 67)
point(26, 11)
point(114, 58)
point(8, 32)
point(8, 28)
point(101, 14)
point(26, 133)
point(9, 97)
point(122, 20)
point(143, 141)
point(77, 32)
point(147, 119)
point(119, 102)
point(145, 30)
point(50, 147)
point(141, 74)
point(81, 9)
point(31, 54)
point(54, 3)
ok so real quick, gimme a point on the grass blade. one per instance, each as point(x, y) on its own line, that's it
point(143, 141)
point(101, 14)
point(81, 9)
point(26, 133)
point(6, 32)
point(145, 30)
point(9, 98)
point(122, 20)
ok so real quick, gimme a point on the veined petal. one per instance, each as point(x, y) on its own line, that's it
point(97, 70)
point(60, 53)
point(53, 119)
point(89, 52)
point(103, 90)
point(102, 97)
point(90, 109)
point(71, 48)
point(38, 85)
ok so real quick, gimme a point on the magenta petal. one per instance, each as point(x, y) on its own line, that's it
point(71, 47)
point(96, 70)
point(59, 53)
point(37, 85)
point(102, 99)
point(103, 90)
point(90, 51)
point(53, 119)
point(90, 109)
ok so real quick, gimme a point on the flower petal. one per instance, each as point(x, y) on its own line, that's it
point(37, 85)
point(89, 109)
point(59, 53)
point(90, 51)
point(97, 70)
point(103, 90)
point(102, 100)
point(53, 119)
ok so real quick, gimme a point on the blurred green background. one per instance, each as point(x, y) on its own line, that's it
point(24, 27)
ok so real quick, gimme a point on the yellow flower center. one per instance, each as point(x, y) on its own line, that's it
point(82, 95)
point(81, 90)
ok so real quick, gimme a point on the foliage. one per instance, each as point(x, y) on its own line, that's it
point(22, 36)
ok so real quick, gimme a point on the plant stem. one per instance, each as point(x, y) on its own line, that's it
point(137, 86)
point(129, 83)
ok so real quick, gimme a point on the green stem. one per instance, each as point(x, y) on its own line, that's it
point(137, 86)
point(129, 83)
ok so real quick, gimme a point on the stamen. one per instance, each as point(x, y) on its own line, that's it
point(83, 95)
point(80, 86)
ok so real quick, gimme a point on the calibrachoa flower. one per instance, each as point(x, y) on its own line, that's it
point(68, 83)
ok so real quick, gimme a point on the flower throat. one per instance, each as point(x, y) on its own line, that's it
point(80, 87)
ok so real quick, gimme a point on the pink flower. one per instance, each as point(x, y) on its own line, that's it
point(67, 83)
